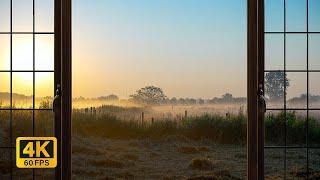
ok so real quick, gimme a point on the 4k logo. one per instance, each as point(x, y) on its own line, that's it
point(36, 152)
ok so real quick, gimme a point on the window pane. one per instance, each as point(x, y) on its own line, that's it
point(274, 51)
point(297, 90)
point(44, 52)
point(4, 129)
point(314, 51)
point(314, 162)
point(22, 52)
point(314, 90)
point(44, 123)
point(4, 52)
point(274, 128)
point(44, 15)
point(296, 128)
point(296, 163)
point(314, 127)
point(4, 90)
point(22, 89)
point(296, 16)
point(5, 16)
point(296, 51)
point(274, 15)
point(274, 163)
point(22, 124)
point(314, 15)
point(22, 15)
point(44, 83)
point(274, 89)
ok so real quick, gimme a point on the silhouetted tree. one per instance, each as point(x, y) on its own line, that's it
point(149, 95)
point(275, 83)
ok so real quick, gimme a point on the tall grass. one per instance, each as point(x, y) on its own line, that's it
point(220, 129)
point(231, 128)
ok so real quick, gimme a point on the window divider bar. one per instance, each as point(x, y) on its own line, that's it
point(33, 75)
point(307, 123)
point(11, 125)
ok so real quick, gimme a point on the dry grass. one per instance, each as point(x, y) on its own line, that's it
point(131, 157)
point(202, 164)
point(107, 162)
point(4, 167)
point(188, 150)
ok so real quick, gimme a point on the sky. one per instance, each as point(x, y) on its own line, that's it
point(189, 48)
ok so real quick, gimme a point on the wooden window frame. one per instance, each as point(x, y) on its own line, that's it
point(63, 78)
point(255, 80)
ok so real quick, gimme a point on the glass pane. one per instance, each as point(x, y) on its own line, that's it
point(274, 51)
point(296, 51)
point(5, 163)
point(274, 128)
point(296, 16)
point(22, 52)
point(17, 173)
point(296, 164)
point(22, 124)
point(44, 52)
point(44, 15)
point(44, 84)
point(22, 89)
point(314, 15)
point(274, 163)
point(314, 90)
point(297, 90)
point(296, 128)
point(44, 123)
point(22, 15)
point(4, 52)
point(4, 129)
point(314, 51)
point(314, 128)
point(314, 162)
point(5, 16)
point(4, 90)
point(274, 89)
point(274, 15)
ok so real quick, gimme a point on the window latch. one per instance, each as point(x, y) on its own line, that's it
point(56, 97)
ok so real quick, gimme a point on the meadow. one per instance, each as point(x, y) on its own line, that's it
point(170, 142)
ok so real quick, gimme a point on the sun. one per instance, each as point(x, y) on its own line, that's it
point(25, 51)
point(31, 56)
